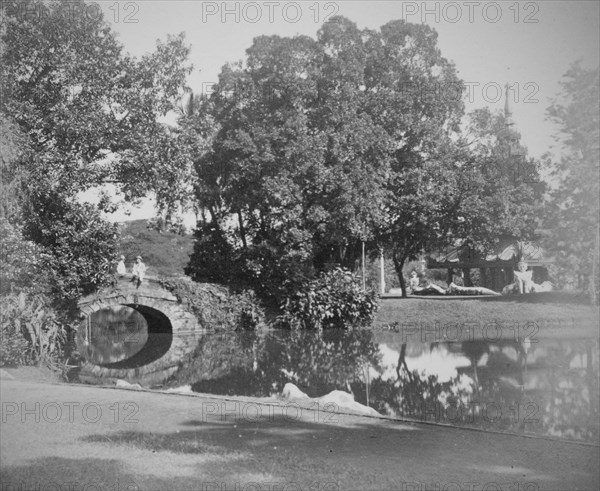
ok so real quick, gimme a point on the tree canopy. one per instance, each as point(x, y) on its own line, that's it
point(81, 113)
point(573, 212)
point(321, 144)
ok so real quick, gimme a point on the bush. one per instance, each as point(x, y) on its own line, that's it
point(212, 257)
point(20, 261)
point(333, 300)
point(215, 306)
point(31, 331)
point(272, 268)
point(78, 243)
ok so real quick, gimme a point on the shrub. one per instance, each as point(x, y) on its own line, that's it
point(31, 331)
point(78, 244)
point(20, 260)
point(212, 257)
point(270, 267)
point(333, 300)
point(215, 306)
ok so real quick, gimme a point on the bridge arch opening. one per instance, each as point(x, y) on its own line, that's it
point(125, 336)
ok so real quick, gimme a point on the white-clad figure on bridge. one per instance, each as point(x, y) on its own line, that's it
point(138, 271)
point(121, 269)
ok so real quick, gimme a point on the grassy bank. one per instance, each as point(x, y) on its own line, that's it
point(553, 312)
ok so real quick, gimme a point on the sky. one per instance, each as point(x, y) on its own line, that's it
point(528, 45)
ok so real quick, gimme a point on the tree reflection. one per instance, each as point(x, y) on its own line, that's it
point(113, 334)
point(247, 363)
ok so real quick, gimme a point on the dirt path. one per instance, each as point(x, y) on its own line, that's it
point(75, 437)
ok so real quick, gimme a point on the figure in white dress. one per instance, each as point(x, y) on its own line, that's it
point(121, 269)
point(524, 282)
point(524, 278)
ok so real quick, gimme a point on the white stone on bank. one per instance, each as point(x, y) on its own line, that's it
point(184, 389)
point(290, 391)
point(123, 384)
point(336, 398)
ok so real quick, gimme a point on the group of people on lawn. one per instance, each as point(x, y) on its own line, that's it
point(138, 271)
point(523, 284)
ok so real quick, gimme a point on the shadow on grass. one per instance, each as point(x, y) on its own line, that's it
point(571, 298)
point(72, 474)
point(238, 426)
point(282, 448)
point(56, 473)
point(216, 455)
point(357, 455)
point(159, 442)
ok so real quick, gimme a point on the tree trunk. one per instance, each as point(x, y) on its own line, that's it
point(484, 277)
point(398, 265)
point(467, 279)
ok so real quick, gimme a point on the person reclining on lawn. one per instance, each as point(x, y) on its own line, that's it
point(454, 289)
point(430, 289)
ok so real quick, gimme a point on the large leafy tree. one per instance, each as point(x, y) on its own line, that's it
point(87, 114)
point(296, 166)
point(354, 137)
point(573, 213)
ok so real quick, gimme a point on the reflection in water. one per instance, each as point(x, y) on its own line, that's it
point(546, 387)
point(113, 334)
point(260, 365)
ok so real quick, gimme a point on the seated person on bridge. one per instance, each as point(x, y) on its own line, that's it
point(121, 269)
point(138, 271)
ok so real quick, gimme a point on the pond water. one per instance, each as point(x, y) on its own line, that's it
point(543, 387)
point(112, 335)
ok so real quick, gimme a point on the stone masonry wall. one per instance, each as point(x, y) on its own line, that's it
point(185, 331)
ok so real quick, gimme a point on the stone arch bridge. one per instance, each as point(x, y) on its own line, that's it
point(146, 348)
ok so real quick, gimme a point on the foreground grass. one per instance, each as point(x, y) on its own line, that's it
point(547, 311)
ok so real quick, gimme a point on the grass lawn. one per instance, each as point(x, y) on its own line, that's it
point(546, 313)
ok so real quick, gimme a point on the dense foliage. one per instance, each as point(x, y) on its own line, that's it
point(573, 213)
point(215, 306)
point(31, 330)
point(335, 299)
point(84, 113)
